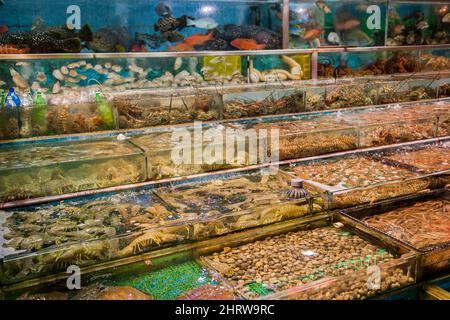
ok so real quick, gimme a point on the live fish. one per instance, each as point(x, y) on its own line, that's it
point(63, 32)
point(152, 40)
point(198, 39)
point(347, 25)
point(162, 10)
point(247, 44)
point(356, 37)
point(4, 28)
point(170, 23)
point(217, 44)
point(8, 49)
point(334, 38)
point(111, 39)
point(312, 34)
point(171, 36)
point(323, 6)
point(181, 47)
point(204, 23)
point(40, 42)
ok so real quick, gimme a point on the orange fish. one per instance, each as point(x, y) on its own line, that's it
point(247, 44)
point(312, 34)
point(4, 28)
point(347, 25)
point(181, 47)
point(198, 39)
point(138, 48)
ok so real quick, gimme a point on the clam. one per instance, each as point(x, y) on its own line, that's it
point(64, 70)
point(116, 68)
point(98, 67)
point(58, 74)
point(56, 87)
point(41, 77)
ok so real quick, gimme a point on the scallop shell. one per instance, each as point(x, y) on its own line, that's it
point(82, 63)
point(56, 87)
point(41, 77)
point(82, 77)
point(73, 65)
point(73, 73)
point(72, 80)
point(88, 66)
point(108, 65)
point(98, 67)
point(64, 70)
point(116, 68)
point(58, 75)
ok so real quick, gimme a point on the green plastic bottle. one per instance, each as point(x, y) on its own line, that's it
point(2, 98)
point(105, 110)
point(38, 115)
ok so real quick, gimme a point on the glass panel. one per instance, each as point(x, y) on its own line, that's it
point(418, 23)
point(142, 25)
point(299, 258)
point(336, 23)
point(48, 168)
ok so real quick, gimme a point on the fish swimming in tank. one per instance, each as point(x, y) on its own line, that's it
point(110, 39)
point(204, 23)
point(199, 39)
point(163, 10)
point(323, 6)
point(356, 37)
point(152, 40)
point(170, 23)
point(333, 38)
point(39, 42)
point(62, 32)
point(247, 44)
point(171, 36)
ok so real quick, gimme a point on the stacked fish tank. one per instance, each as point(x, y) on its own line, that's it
point(230, 149)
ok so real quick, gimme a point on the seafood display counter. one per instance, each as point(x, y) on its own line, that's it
point(46, 166)
point(241, 149)
point(370, 176)
point(42, 169)
point(44, 239)
point(263, 264)
point(421, 222)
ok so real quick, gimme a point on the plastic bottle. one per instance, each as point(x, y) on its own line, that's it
point(105, 110)
point(12, 99)
point(12, 115)
point(39, 113)
point(2, 98)
point(25, 114)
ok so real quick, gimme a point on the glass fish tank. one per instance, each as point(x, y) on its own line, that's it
point(376, 63)
point(140, 26)
point(271, 68)
point(419, 221)
point(46, 238)
point(44, 169)
point(260, 263)
point(367, 177)
point(412, 23)
point(308, 258)
point(352, 23)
